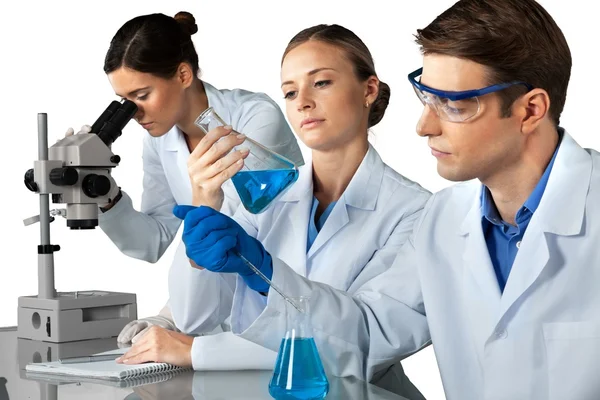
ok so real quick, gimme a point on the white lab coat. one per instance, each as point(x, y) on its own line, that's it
point(147, 233)
point(540, 339)
point(358, 242)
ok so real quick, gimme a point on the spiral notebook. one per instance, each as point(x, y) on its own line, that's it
point(128, 383)
point(109, 370)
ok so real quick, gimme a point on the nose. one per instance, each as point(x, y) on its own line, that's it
point(429, 123)
point(304, 101)
point(139, 113)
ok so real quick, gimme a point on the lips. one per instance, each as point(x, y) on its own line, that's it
point(310, 122)
point(437, 151)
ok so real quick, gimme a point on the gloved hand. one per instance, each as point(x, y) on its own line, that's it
point(84, 129)
point(134, 330)
point(212, 240)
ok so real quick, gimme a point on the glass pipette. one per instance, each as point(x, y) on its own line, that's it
point(257, 271)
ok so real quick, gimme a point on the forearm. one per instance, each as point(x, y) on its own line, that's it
point(360, 333)
point(137, 234)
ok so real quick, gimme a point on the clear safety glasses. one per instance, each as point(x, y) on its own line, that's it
point(454, 106)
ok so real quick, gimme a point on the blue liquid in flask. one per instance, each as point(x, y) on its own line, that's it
point(299, 373)
point(257, 189)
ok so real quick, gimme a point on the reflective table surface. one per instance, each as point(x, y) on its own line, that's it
point(18, 384)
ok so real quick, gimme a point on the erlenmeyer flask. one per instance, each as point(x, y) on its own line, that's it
point(299, 373)
point(265, 175)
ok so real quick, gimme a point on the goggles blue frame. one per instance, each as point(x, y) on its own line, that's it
point(465, 94)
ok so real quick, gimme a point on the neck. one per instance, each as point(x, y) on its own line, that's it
point(196, 101)
point(513, 184)
point(333, 170)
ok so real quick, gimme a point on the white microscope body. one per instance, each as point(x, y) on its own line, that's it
point(76, 172)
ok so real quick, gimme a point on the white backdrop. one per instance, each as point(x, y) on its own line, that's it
point(52, 59)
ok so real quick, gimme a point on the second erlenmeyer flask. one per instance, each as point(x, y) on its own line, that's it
point(299, 373)
point(265, 176)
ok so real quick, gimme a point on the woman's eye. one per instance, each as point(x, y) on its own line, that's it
point(322, 83)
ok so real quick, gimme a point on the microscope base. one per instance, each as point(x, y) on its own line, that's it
point(73, 316)
point(36, 351)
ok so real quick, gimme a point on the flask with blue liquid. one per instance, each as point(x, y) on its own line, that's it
point(299, 372)
point(265, 175)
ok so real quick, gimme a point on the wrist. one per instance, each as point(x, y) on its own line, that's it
point(202, 198)
point(256, 282)
point(112, 203)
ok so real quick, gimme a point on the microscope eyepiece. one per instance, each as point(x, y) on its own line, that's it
point(105, 116)
point(112, 121)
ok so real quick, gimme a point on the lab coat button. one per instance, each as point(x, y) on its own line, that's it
point(519, 244)
point(501, 334)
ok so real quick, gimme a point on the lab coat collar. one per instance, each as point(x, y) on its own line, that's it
point(561, 209)
point(362, 191)
point(174, 139)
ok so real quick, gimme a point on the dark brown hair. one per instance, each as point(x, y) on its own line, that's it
point(154, 43)
point(516, 39)
point(358, 54)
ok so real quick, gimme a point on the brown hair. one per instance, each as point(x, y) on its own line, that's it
point(358, 54)
point(516, 39)
point(154, 43)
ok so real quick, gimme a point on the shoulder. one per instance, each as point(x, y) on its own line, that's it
point(244, 100)
point(398, 183)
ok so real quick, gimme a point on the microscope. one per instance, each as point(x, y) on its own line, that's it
point(76, 172)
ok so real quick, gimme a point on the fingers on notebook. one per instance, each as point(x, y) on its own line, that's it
point(149, 348)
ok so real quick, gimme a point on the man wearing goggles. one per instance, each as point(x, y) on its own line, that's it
point(506, 262)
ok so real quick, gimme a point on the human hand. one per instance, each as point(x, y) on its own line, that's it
point(214, 242)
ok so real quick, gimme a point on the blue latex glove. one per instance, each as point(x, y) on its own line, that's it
point(211, 239)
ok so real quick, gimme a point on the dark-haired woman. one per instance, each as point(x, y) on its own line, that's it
point(152, 62)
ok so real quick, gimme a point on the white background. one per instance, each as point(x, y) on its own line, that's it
point(52, 54)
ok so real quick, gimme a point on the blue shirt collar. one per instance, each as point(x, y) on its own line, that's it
point(489, 210)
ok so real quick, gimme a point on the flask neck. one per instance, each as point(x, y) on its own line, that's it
point(298, 323)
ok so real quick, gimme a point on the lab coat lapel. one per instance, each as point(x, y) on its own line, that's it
point(176, 156)
point(362, 193)
point(560, 212)
point(476, 259)
point(531, 259)
point(293, 220)
point(336, 221)
point(217, 101)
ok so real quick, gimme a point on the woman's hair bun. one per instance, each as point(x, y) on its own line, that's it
point(187, 22)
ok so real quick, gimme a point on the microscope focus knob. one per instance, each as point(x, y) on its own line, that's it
point(95, 185)
point(65, 176)
point(30, 181)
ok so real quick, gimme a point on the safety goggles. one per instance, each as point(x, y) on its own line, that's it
point(454, 106)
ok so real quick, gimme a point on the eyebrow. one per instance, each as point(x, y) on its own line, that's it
point(133, 92)
point(314, 71)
